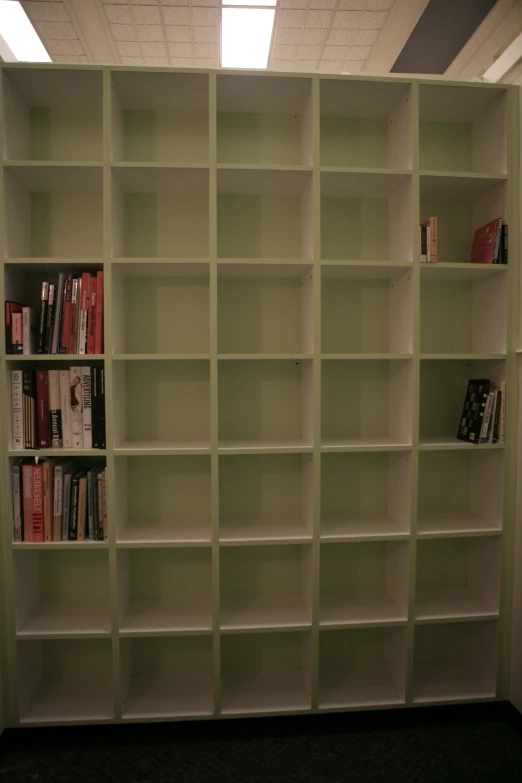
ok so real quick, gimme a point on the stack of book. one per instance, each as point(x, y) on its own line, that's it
point(490, 243)
point(483, 417)
point(429, 240)
point(56, 500)
point(70, 319)
point(58, 408)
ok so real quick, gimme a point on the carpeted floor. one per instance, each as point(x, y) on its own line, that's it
point(453, 745)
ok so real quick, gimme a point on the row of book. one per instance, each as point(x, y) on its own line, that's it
point(490, 242)
point(483, 417)
point(70, 319)
point(58, 408)
point(55, 500)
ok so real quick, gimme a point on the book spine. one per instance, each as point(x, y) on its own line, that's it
point(8, 310)
point(502, 436)
point(73, 524)
point(486, 418)
point(29, 331)
point(428, 243)
point(67, 480)
point(38, 509)
point(91, 321)
point(58, 502)
point(95, 407)
point(90, 506)
point(424, 251)
point(29, 409)
point(105, 506)
point(98, 337)
point(76, 403)
point(47, 473)
point(496, 420)
point(71, 347)
point(50, 318)
point(66, 315)
point(99, 507)
point(87, 407)
point(17, 333)
point(434, 230)
point(84, 313)
point(65, 405)
point(44, 304)
point(506, 244)
point(42, 407)
point(55, 409)
point(58, 312)
point(101, 409)
point(82, 507)
point(17, 506)
point(17, 409)
point(491, 426)
point(27, 488)
point(496, 251)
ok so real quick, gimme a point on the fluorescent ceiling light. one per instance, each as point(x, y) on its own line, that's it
point(250, 2)
point(19, 36)
point(245, 37)
point(505, 61)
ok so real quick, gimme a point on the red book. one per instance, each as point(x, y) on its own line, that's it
point(17, 331)
point(484, 240)
point(66, 319)
point(91, 321)
point(98, 334)
point(27, 490)
point(42, 408)
point(38, 504)
point(10, 308)
point(48, 506)
point(85, 300)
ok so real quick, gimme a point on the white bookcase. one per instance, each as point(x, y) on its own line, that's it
point(293, 525)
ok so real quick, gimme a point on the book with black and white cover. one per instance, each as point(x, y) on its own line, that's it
point(66, 518)
point(95, 374)
point(65, 406)
point(487, 416)
point(44, 304)
point(17, 403)
point(50, 317)
point(101, 410)
point(75, 497)
point(55, 409)
point(470, 425)
point(18, 526)
point(87, 407)
point(76, 406)
point(54, 345)
point(29, 330)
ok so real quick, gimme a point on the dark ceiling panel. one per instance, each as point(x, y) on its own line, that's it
point(439, 35)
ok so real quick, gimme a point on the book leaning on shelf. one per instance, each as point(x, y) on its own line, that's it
point(483, 418)
point(69, 320)
point(429, 240)
point(59, 500)
point(55, 409)
point(490, 243)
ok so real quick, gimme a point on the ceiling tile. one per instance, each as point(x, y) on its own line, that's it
point(306, 65)
point(182, 62)
point(116, 2)
point(205, 16)
point(83, 60)
point(314, 36)
point(207, 62)
point(179, 33)
point(55, 47)
point(379, 5)
point(335, 52)
point(146, 14)
point(180, 2)
point(319, 18)
point(366, 37)
point(347, 20)
point(352, 5)
point(70, 30)
point(279, 65)
point(360, 52)
point(45, 12)
point(206, 50)
point(373, 20)
point(129, 48)
point(176, 15)
point(208, 3)
point(144, 2)
point(284, 51)
point(206, 34)
point(76, 47)
point(290, 18)
point(66, 58)
point(287, 35)
point(342, 37)
point(353, 66)
point(124, 32)
point(132, 61)
point(117, 14)
point(157, 61)
point(154, 49)
point(298, 4)
point(180, 50)
point(51, 30)
point(331, 66)
point(308, 52)
point(323, 4)
point(150, 32)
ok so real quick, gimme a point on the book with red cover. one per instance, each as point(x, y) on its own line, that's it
point(484, 241)
point(38, 503)
point(48, 482)
point(17, 333)
point(84, 303)
point(98, 334)
point(91, 321)
point(10, 308)
point(66, 317)
point(27, 496)
point(42, 408)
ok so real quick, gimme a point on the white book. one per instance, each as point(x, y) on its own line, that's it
point(87, 408)
point(76, 406)
point(485, 421)
point(17, 409)
point(30, 330)
point(55, 409)
point(65, 400)
point(17, 505)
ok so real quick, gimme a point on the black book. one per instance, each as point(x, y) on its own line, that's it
point(50, 318)
point(101, 409)
point(95, 407)
point(75, 492)
point(44, 306)
point(29, 408)
point(65, 319)
point(473, 411)
point(496, 414)
point(505, 244)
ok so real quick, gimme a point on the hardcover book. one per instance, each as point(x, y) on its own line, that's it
point(484, 241)
point(65, 406)
point(76, 407)
point(44, 304)
point(10, 308)
point(29, 400)
point(38, 503)
point(42, 407)
point(17, 333)
point(470, 426)
point(55, 409)
point(17, 409)
point(30, 330)
point(87, 408)
point(18, 532)
point(27, 504)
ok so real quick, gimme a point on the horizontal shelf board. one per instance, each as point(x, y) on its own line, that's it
point(369, 685)
point(447, 443)
point(357, 529)
point(56, 453)
point(364, 444)
point(455, 185)
point(160, 357)
point(28, 546)
point(265, 447)
point(263, 613)
point(71, 699)
point(158, 448)
point(50, 164)
point(465, 357)
point(363, 608)
point(298, 357)
point(447, 271)
point(151, 535)
point(455, 524)
point(270, 167)
point(142, 617)
point(263, 262)
point(168, 696)
point(67, 263)
point(58, 178)
point(360, 184)
point(457, 686)
point(146, 262)
point(55, 619)
point(439, 604)
point(275, 692)
point(154, 164)
point(366, 356)
point(72, 358)
point(386, 172)
point(264, 533)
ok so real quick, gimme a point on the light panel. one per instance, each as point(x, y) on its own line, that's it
point(245, 37)
point(19, 35)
